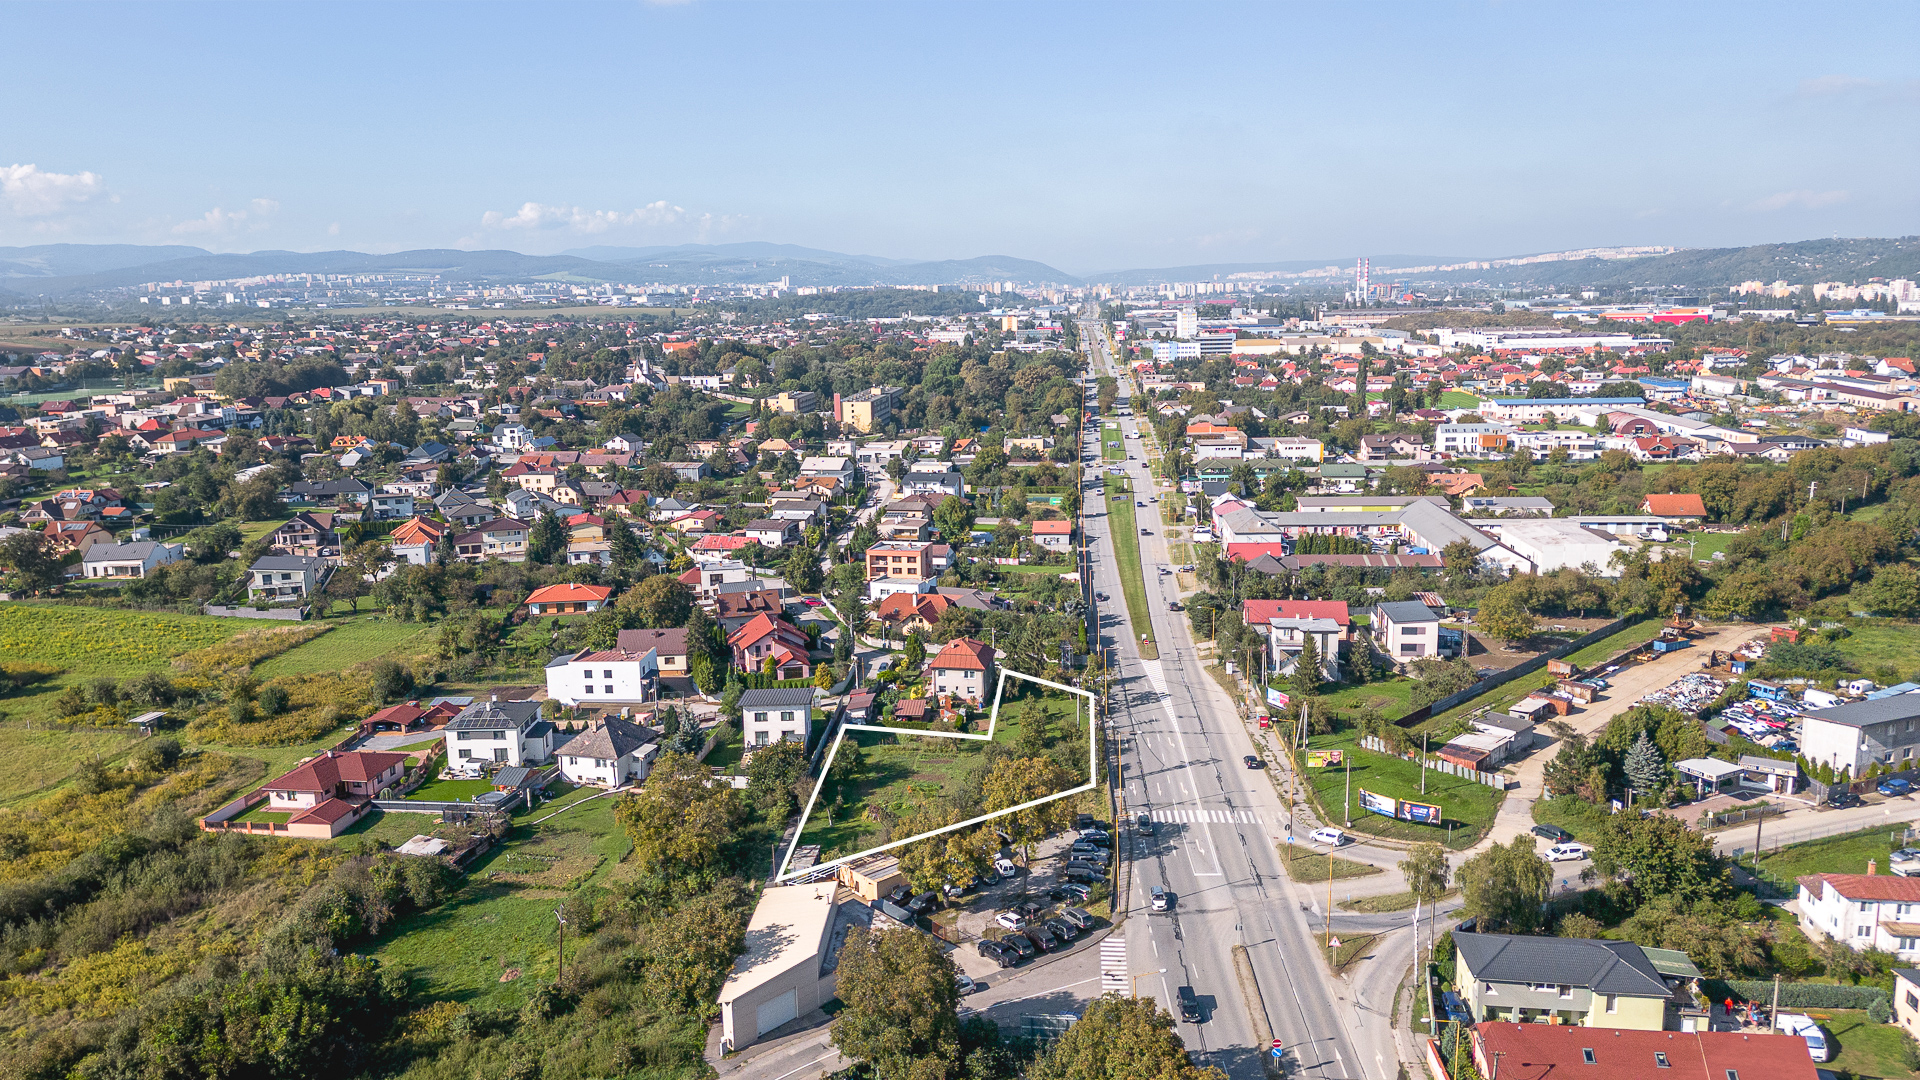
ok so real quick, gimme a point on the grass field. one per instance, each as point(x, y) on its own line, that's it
point(1126, 552)
point(451, 790)
point(1306, 866)
point(1845, 854)
point(1468, 807)
point(1458, 399)
point(1399, 901)
point(904, 773)
point(1110, 435)
point(1895, 645)
point(353, 640)
point(1860, 1047)
point(1570, 812)
point(1392, 696)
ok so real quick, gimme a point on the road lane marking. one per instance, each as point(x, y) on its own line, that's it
point(1113, 965)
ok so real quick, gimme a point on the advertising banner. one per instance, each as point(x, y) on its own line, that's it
point(1320, 759)
point(1378, 804)
point(1277, 699)
point(1420, 813)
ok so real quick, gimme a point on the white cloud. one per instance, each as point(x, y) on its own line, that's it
point(1800, 200)
point(33, 193)
point(333, 229)
point(220, 221)
point(541, 217)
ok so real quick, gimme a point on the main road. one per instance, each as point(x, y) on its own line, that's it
point(1218, 830)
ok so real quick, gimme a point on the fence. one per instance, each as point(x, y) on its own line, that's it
point(295, 614)
point(1517, 671)
point(1737, 817)
point(1779, 838)
point(1492, 780)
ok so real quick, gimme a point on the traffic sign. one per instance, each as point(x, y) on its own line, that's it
point(1278, 1052)
point(1276, 1044)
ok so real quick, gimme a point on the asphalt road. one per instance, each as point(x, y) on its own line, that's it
point(1215, 844)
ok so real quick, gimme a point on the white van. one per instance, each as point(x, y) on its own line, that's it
point(1802, 1025)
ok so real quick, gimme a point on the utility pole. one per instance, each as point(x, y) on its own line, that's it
point(1347, 760)
point(1423, 763)
point(560, 946)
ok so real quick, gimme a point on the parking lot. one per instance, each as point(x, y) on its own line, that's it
point(972, 916)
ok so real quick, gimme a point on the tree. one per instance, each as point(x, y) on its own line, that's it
point(1120, 1038)
point(624, 547)
point(659, 602)
point(1504, 887)
point(1657, 855)
point(1460, 559)
point(548, 540)
point(1016, 780)
point(772, 774)
point(1646, 770)
point(1503, 613)
point(954, 518)
point(32, 561)
point(915, 652)
point(901, 1005)
point(1306, 668)
point(1427, 873)
point(681, 824)
point(802, 570)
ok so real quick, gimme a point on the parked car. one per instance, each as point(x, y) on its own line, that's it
point(1329, 836)
point(1567, 852)
point(1095, 836)
point(1009, 920)
point(1189, 1005)
point(1083, 875)
point(1894, 787)
point(1082, 847)
point(1030, 910)
point(1041, 937)
point(1254, 762)
point(1005, 868)
point(900, 895)
point(1552, 832)
point(989, 878)
point(923, 903)
point(1840, 800)
point(1159, 899)
point(1021, 947)
point(1143, 824)
point(964, 983)
point(1062, 929)
point(1075, 890)
point(1146, 532)
point(998, 953)
point(1804, 1026)
point(1077, 917)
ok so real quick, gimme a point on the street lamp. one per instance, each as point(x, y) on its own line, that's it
point(1142, 975)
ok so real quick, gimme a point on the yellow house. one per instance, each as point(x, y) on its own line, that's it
point(1607, 984)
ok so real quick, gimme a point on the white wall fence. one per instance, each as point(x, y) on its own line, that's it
point(1492, 780)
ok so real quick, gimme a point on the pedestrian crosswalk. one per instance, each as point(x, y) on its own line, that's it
point(1156, 676)
point(1218, 817)
point(1113, 965)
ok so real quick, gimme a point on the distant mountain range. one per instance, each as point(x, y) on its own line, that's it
point(55, 270)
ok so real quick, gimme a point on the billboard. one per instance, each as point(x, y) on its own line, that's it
point(1377, 804)
point(1320, 759)
point(1419, 813)
point(1277, 699)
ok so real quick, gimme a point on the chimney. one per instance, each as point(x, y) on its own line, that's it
point(838, 418)
point(1870, 867)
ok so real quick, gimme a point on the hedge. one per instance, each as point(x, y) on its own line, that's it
point(1795, 995)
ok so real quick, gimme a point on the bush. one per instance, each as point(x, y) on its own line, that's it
point(272, 700)
point(1879, 1010)
point(1797, 995)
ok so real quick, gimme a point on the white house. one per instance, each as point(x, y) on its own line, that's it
point(606, 677)
point(936, 478)
point(610, 754)
point(771, 716)
point(1407, 629)
point(1053, 535)
point(1853, 737)
point(128, 560)
point(496, 732)
point(1864, 911)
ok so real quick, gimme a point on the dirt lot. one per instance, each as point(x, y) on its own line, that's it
point(1492, 654)
point(973, 914)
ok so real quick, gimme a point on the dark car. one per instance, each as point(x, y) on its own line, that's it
point(1042, 938)
point(1083, 875)
point(1030, 910)
point(1552, 832)
point(1254, 762)
point(1895, 787)
point(1077, 917)
point(1022, 947)
point(1840, 800)
point(1083, 821)
point(923, 903)
point(1189, 1005)
point(1143, 824)
point(900, 895)
point(998, 953)
point(1062, 929)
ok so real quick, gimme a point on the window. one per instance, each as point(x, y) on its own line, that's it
point(1733, 1074)
point(606, 674)
point(1906, 944)
point(1541, 988)
point(1862, 931)
point(760, 717)
point(1586, 1054)
point(786, 716)
point(1660, 1059)
point(609, 690)
point(1613, 1003)
point(589, 688)
point(1566, 991)
point(1489, 990)
point(1913, 1000)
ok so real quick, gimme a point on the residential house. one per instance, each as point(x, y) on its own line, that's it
point(771, 716)
point(1053, 535)
point(1679, 508)
point(897, 559)
point(611, 754)
point(772, 533)
point(733, 610)
point(1407, 630)
point(415, 540)
point(964, 669)
point(905, 612)
point(765, 638)
point(1864, 911)
point(669, 648)
point(500, 538)
point(840, 469)
point(329, 492)
point(280, 578)
point(706, 578)
point(604, 677)
point(567, 599)
point(1379, 449)
point(1550, 1052)
point(325, 796)
point(1552, 980)
point(689, 471)
point(1906, 1000)
point(134, 560)
point(64, 537)
point(306, 533)
point(933, 478)
point(495, 732)
point(387, 506)
point(1851, 738)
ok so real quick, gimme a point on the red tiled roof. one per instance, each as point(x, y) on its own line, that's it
point(1558, 1052)
point(1052, 528)
point(333, 768)
point(1902, 890)
point(1259, 612)
point(722, 542)
point(1675, 505)
point(568, 593)
point(965, 654)
point(327, 811)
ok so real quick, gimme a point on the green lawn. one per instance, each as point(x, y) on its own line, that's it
point(1393, 696)
point(39, 758)
point(1126, 552)
point(1458, 399)
point(1844, 854)
point(254, 530)
point(1893, 645)
point(728, 752)
point(1570, 812)
point(451, 790)
point(260, 814)
point(905, 773)
point(1307, 866)
point(1860, 1047)
point(1467, 806)
point(1110, 435)
point(353, 640)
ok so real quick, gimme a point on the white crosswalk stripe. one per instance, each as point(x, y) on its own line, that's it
point(1113, 965)
point(1176, 816)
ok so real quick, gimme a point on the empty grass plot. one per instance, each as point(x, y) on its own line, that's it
point(883, 786)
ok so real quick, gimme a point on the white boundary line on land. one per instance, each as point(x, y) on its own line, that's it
point(993, 721)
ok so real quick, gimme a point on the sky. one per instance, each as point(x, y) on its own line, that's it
point(1086, 136)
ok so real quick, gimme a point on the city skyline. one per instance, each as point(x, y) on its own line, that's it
point(1087, 138)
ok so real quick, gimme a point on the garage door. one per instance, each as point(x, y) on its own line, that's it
point(776, 1012)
